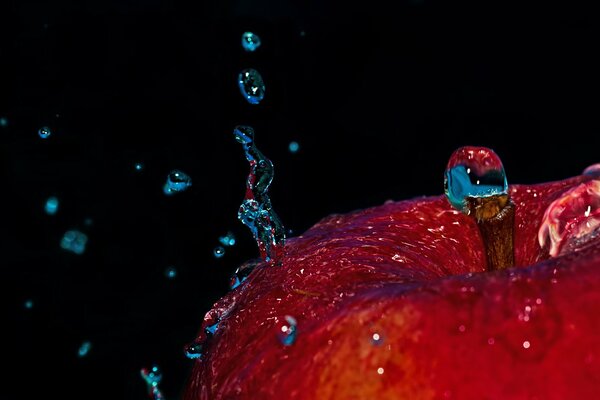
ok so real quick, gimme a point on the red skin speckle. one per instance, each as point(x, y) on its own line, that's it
point(412, 271)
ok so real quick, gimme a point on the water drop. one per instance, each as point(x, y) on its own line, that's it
point(170, 272)
point(250, 41)
point(227, 240)
point(177, 181)
point(473, 172)
point(51, 206)
point(380, 371)
point(287, 330)
point(152, 377)
point(138, 166)
point(376, 339)
point(44, 132)
point(593, 169)
point(212, 329)
point(219, 251)
point(84, 349)
point(194, 350)
point(241, 273)
point(3, 122)
point(256, 211)
point(251, 85)
point(74, 241)
point(28, 304)
point(294, 147)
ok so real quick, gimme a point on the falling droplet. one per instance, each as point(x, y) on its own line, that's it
point(287, 330)
point(74, 241)
point(256, 211)
point(219, 252)
point(572, 221)
point(473, 172)
point(170, 272)
point(177, 181)
point(294, 147)
point(28, 304)
point(251, 85)
point(51, 206)
point(250, 41)
point(227, 240)
point(84, 349)
point(44, 132)
point(3, 122)
point(194, 350)
point(152, 377)
point(241, 274)
point(139, 166)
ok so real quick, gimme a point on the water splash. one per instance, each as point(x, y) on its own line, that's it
point(84, 349)
point(51, 206)
point(74, 241)
point(256, 211)
point(251, 85)
point(152, 377)
point(44, 132)
point(287, 330)
point(250, 41)
point(227, 240)
point(177, 181)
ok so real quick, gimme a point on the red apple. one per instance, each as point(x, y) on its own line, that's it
point(394, 302)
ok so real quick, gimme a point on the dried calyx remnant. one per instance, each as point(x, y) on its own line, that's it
point(475, 183)
point(256, 211)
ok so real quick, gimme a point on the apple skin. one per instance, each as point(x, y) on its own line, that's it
point(412, 272)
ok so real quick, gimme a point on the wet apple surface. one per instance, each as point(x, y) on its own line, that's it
point(395, 302)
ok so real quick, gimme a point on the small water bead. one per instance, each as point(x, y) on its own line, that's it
point(227, 240)
point(219, 252)
point(593, 169)
point(51, 206)
point(74, 241)
point(44, 132)
point(242, 273)
point(84, 349)
point(294, 147)
point(3, 122)
point(171, 272)
point(251, 85)
point(28, 304)
point(287, 330)
point(376, 339)
point(177, 181)
point(250, 41)
point(139, 166)
point(194, 350)
point(152, 377)
point(473, 172)
point(212, 329)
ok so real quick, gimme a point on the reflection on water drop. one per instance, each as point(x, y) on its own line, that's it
point(44, 132)
point(74, 241)
point(227, 240)
point(250, 41)
point(376, 339)
point(294, 147)
point(152, 377)
point(473, 172)
point(219, 252)
point(177, 181)
point(84, 349)
point(194, 350)
point(170, 272)
point(51, 206)
point(251, 85)
point(256, 211)
point(287, 330)
point(241, 274)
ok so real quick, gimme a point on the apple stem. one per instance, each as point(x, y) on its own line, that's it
point(495, 216)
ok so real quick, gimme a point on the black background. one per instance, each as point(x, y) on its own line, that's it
point(377, 95)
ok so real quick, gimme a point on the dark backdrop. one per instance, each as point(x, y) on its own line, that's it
point(377, 96)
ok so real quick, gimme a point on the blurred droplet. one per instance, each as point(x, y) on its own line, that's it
point(194, 350)
point(287, 330)
point(152, 377)
point(177, 181)
point(251, 85)
point(74, 241)
point(294, 147)
point(171, 272)
point(84, 349)
point(3, 122)
point(139, 166)
point(227, 240)
point(219, 251)
point(250, 41)
point(51, 206)
point(44, 132)
point(28, 304)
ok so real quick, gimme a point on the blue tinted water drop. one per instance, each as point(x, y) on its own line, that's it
point(177, 181)
point(28, 304)
point(250, 41)
point(194, 350)
point(256, 211)
point(227, 240)
point(251, 85)
point(170, 272)
point(287, 330)
point(294, 147)
point(219, 252)
point(152, 377)
point(51, 206)
point(74, 241)
point(139, 166)
point(241, 273)
point(84, 349)
point(3, 122)
point(212, 329)
point(44, 132)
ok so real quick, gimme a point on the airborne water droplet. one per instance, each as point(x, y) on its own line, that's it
point(177, 181)
point(473, 172)
point(3, 122)
point(51, 206)
point(152, 377)
point(194, 350)
point(227, 240)
point(74, 241)
point(219, 252)
point(241, 274)
point(251, 85)
point(44, 132)
point(28, 304)
point(250, 41)
point(256, 211)
point(294, 147)
point(139, 166)
point(84, 349)
point(170, 272)
point(287, 330)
